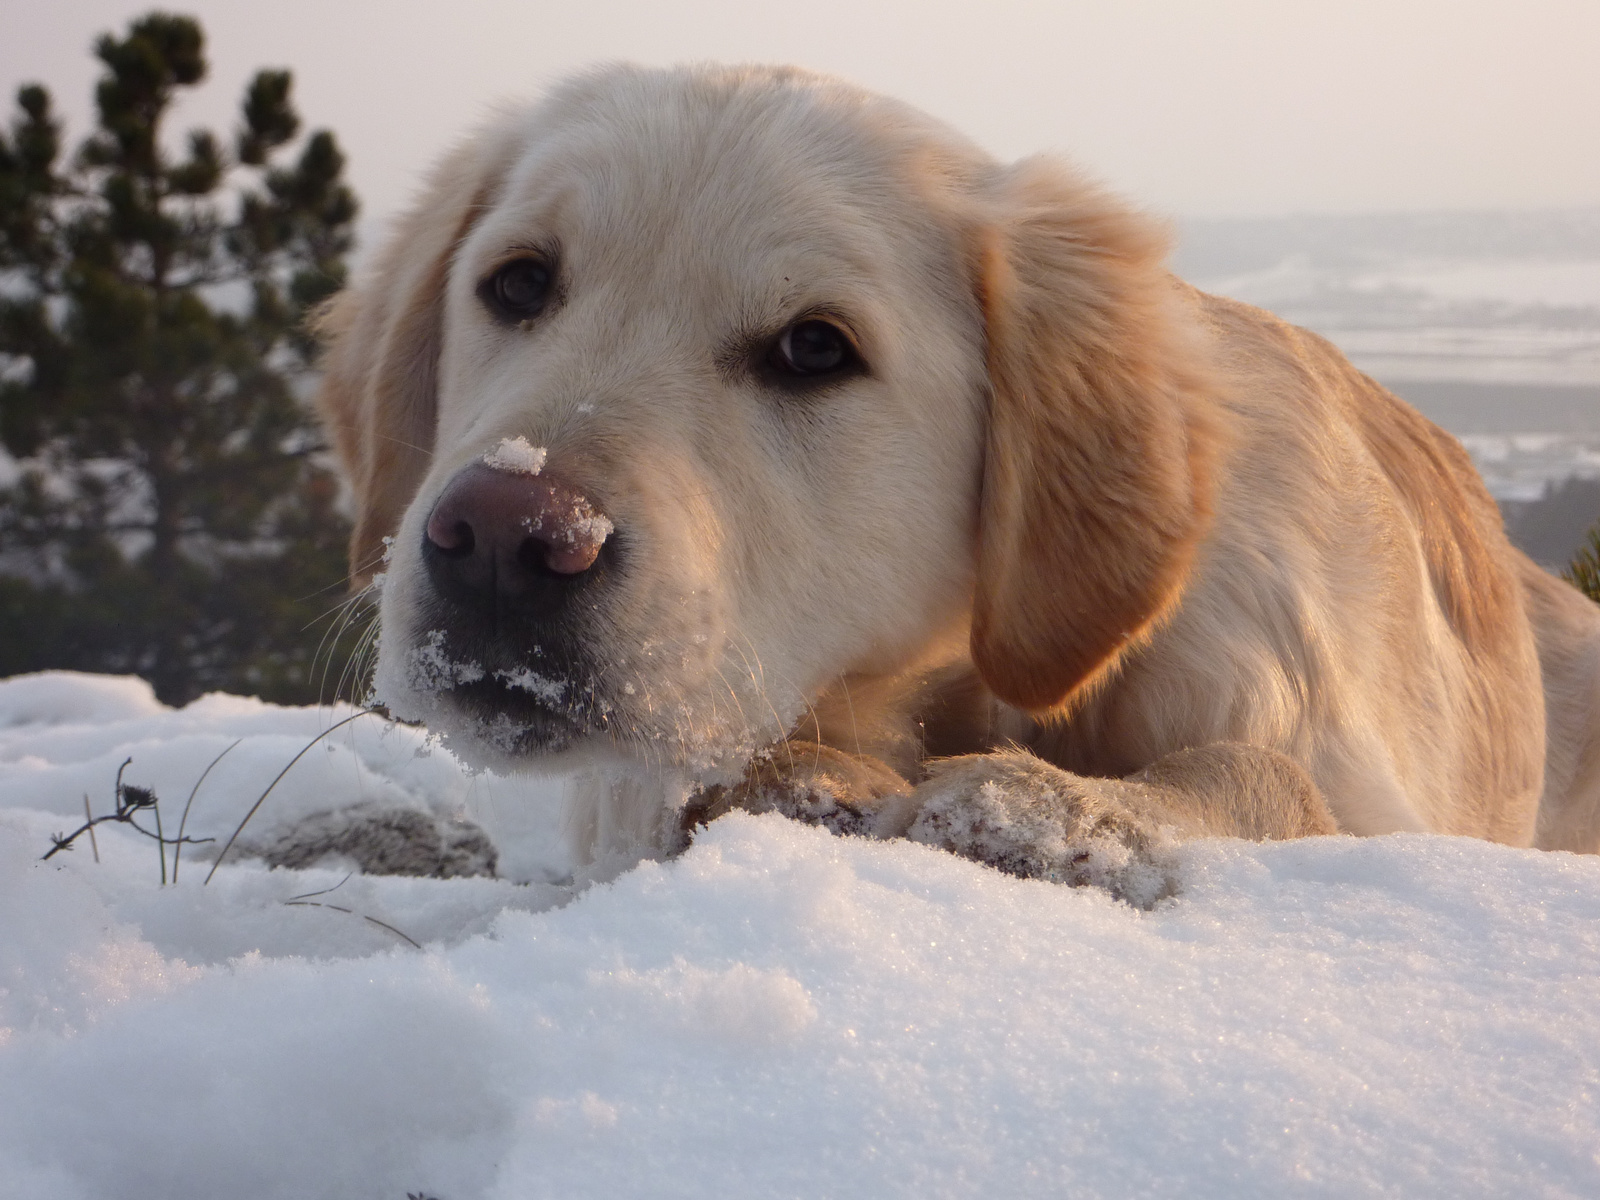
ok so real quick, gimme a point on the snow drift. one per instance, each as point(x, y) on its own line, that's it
point(776, 1013)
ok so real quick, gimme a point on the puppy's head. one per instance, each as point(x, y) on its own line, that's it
point(685, 394)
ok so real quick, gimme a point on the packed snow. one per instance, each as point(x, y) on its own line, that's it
point(777, 1012)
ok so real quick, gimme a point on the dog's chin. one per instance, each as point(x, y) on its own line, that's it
point(517, 718)
point(491, 726)
point(486, 721)
point(512, 722)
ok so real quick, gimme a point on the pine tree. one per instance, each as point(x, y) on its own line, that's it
point(172, 515)
point(1583, 572)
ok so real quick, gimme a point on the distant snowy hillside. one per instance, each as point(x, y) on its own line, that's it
point(776, 1013)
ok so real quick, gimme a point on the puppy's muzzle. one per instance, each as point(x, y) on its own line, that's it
point(502, 542)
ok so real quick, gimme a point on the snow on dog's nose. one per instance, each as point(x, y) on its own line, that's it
point(503, 531)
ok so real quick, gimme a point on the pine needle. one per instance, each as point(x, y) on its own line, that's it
point(1583, 572)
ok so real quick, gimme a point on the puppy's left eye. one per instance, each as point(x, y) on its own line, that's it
point(813, 347)
point(520, 289)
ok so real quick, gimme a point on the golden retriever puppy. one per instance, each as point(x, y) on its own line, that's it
point(765, 433)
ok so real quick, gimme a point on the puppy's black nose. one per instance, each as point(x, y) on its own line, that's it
point(506, 539)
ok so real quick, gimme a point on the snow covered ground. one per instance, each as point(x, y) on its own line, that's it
point(776, 1013)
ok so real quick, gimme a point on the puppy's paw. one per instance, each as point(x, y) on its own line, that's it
point(844, 793)
point(1027, 818)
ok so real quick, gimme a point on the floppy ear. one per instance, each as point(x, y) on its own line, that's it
point(381, 340)
point(1096, 485)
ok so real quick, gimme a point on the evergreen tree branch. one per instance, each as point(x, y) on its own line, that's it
point(1583, 572)
point(152, 349)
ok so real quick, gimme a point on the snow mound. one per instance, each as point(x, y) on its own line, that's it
point(74, 698)
point(777, 1012)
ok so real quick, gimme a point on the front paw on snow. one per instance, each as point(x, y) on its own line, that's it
point(1031, 820)
point(817, 800)
point(818, 785)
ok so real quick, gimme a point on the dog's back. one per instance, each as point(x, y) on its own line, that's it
point(1386, 635)
point(1567, 626)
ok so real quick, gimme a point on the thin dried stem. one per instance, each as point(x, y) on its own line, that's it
point(184, 820)
point(88, 820)
point(261, 799)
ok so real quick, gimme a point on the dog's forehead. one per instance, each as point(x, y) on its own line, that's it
point(730, 167)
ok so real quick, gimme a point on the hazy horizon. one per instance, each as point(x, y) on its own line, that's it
point(1247, 108)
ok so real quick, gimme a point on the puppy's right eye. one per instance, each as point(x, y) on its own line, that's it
point(812, 348)
point(520, 289)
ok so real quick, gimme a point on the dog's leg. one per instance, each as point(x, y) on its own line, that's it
point(1020, 814)
point(1023, 816)
point(847, 793)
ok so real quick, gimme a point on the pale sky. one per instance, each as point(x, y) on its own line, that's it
point(1188, 107)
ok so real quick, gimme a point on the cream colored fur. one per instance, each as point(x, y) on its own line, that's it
point(1070, 506)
